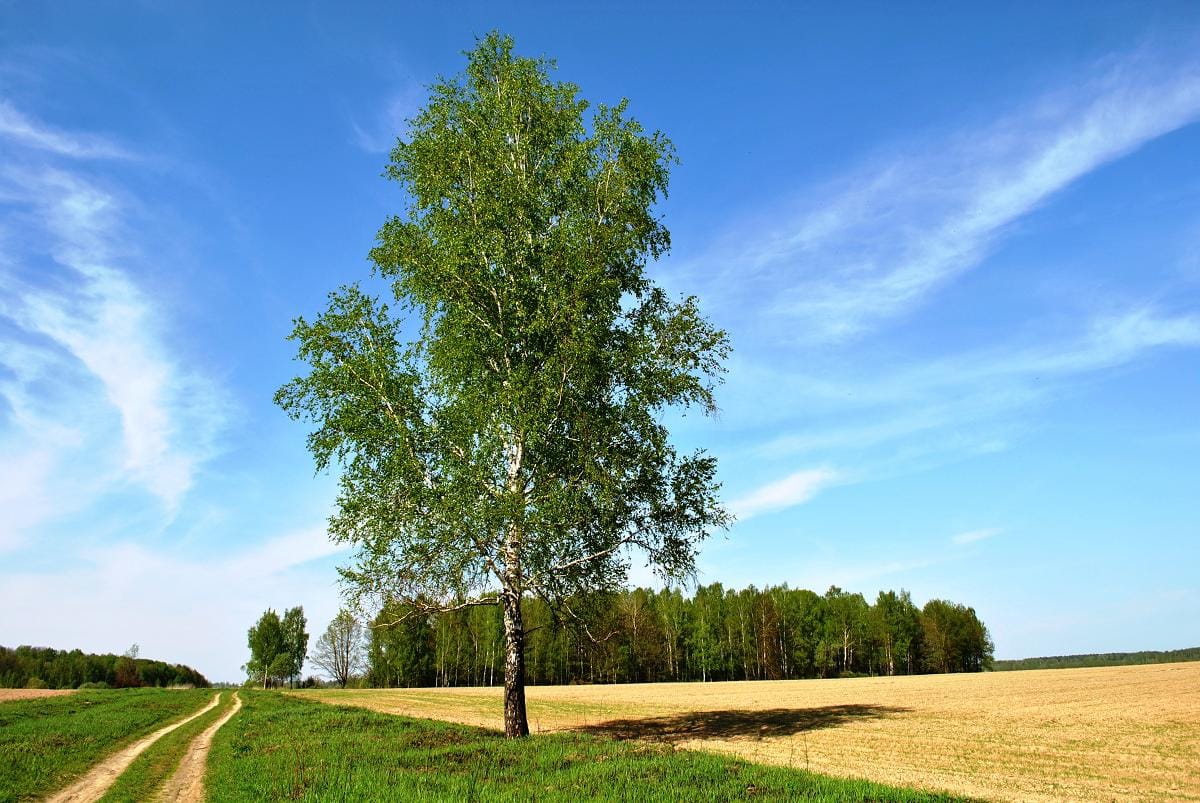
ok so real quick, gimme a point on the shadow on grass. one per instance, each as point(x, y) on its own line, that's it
point(731, 724)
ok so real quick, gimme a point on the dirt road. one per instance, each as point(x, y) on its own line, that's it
point(187, 784)
point(99, 778)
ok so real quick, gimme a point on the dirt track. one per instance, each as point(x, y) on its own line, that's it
point(99, 778)
point(187, 784)
point(1119, 733)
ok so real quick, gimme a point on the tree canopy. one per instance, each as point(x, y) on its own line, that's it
point(499, 427)
point(278, 646)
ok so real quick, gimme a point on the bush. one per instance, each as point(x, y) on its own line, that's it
point(35, 683)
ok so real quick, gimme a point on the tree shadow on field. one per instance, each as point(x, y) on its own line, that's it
point(732, 724)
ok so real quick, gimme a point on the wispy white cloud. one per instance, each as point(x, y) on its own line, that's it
point(376, 132)
point(84, 358)
point(874, 244)
point(932, 398)
point(972, 536)
point(794, 489)
point(17, 128)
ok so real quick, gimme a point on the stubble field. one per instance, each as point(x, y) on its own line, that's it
point(1117, 733)
point(7, 695)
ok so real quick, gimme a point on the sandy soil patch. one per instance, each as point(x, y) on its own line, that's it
point(1116, 733)
point(8, 695)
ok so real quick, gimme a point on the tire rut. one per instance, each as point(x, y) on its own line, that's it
point(186, 785)
point(96, 781)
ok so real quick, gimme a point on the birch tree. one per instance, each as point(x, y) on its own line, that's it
point(498, 426)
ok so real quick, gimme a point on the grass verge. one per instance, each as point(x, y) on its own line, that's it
point(285, 748)
point(47, 742)
point(149, 771)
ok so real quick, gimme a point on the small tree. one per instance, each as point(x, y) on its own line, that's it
point(516, 445)
point(267, 648)
point(339, 650)
point(295, 638)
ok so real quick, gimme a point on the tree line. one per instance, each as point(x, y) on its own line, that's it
point(643, 635)
point(1101, 659)
point(46, 668)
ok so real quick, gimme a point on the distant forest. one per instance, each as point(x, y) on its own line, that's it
point(715, 634)
point(45, 668)
point(1101, 659)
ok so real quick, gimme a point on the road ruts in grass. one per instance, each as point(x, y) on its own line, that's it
point(186, 785)
point(1129, 733)
point(147, 777)
point(47, 743)
point(99, 778)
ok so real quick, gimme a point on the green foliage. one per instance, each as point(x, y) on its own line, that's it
point(47, 742)
point(955, 639)
point(268, 651)
point(282, 748)
point(1101, 659)
point(528, 404)
point(295, 639)
point(63, 669)
point(401, 651)
point(516, 443)
point(716, 633)
point(277, 646)
point(150, 770)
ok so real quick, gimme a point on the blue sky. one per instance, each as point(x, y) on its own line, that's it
point(958, 256)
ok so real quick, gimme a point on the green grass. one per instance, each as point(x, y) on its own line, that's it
point(149, 771)
point(47, 742)
point(285, 748)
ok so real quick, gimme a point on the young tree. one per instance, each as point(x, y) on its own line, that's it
point(295, 638)
point(339, 650)
point(267, 646)
point(517, 442)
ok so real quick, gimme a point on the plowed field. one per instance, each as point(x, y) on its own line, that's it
point(1117, 733)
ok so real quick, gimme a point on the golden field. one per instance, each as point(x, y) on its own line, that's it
point(28, 694)
point(1117, 733)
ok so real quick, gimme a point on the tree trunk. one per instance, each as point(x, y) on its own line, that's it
point(516, 724)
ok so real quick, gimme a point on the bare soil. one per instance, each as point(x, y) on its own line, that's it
point(1126, 733)
point(186, 785)
point(8, 695)
point(99, 778)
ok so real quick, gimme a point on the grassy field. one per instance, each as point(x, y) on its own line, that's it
point(48, 741)
point(279, 747)
point(150, 771)
point(1118, 733)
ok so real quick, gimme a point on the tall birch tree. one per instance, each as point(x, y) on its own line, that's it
point(498, 428)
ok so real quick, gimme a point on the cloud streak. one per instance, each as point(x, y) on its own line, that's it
point(875, 244)
point(83, 354)
point(19, 129)
point(974, 536)
point(794, 489)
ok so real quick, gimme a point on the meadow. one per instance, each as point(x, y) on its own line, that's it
point(49, 740)
point(282, 747)
point(1116, 733)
